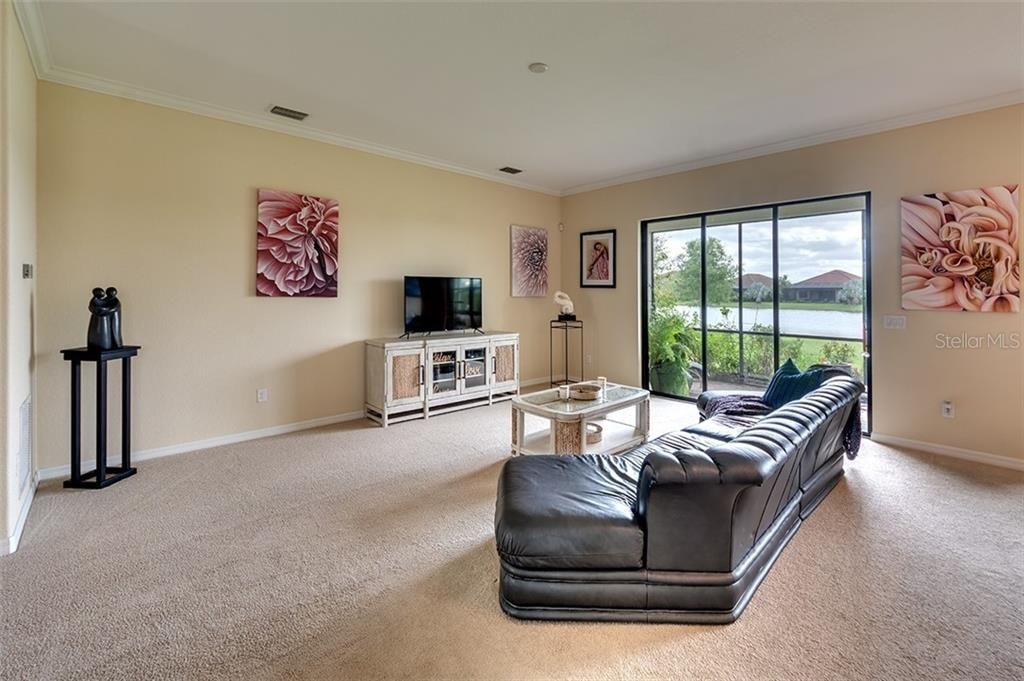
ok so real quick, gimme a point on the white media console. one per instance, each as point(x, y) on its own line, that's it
point(416, 378)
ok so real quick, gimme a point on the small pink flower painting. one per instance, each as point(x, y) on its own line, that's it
point(529, 261)
point(961, 250)
point(296, 245)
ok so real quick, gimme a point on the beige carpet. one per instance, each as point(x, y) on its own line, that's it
point(356, 553)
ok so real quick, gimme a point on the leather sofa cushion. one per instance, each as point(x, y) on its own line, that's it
point(569, 512)
point(723, 427)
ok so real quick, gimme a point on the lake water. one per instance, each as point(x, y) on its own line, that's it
point(807, 322)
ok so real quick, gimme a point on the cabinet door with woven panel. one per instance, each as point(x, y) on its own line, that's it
point(505, 364)
point(405, 376)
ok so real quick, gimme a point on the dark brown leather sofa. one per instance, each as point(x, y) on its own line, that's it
point(681, 529)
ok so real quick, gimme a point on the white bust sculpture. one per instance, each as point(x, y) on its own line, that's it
point(564, 302)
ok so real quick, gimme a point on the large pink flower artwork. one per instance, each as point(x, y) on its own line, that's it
point(961, 250)
point(296, 245)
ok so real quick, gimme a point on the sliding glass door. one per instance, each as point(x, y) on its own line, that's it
point(730, 295)
point(675, 315)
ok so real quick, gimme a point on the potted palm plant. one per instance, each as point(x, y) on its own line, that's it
point(672, 344)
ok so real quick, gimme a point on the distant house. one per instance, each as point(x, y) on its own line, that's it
point(821, 288)
point(748, 280)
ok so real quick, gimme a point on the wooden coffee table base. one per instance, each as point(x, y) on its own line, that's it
point(568, 439)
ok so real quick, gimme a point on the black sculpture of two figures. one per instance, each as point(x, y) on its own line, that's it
point(105, 323)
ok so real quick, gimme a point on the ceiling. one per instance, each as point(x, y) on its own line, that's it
point(633, 90)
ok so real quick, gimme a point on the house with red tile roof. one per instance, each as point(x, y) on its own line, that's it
point(823, 287)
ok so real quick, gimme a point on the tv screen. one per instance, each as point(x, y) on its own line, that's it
point(442, 304)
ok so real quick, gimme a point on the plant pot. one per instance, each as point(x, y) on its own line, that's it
point(669, 378)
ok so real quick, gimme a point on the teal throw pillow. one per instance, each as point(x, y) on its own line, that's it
point(789, 384)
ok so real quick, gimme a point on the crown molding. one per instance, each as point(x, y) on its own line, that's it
point(267, 121)
point(31, 21)
point(30, 18)
point(964, 108)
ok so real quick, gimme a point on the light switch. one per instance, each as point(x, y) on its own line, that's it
point(894, 321)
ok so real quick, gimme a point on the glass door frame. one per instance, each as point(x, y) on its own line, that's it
point(432, 364)
point(464, 361)
point(647, 284)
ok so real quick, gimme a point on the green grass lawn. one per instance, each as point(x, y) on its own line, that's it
point(812, 352)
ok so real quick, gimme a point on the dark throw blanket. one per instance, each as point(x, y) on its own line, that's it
point(751, 405)
point(737, 405)
point(852, 434)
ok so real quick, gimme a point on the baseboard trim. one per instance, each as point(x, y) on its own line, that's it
point(953, 452)
point(64, 471)
point(209, 443)
point(10, 545)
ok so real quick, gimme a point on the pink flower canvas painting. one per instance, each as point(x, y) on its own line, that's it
point(296, 245)
point(960, 250)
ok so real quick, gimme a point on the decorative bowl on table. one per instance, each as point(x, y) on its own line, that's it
point(585, 391)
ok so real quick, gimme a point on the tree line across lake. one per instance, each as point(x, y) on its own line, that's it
point(680, 277)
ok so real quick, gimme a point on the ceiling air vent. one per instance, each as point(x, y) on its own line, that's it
point(510, 170)
point(289, 113)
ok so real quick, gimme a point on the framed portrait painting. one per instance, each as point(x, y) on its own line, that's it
point(597, 259)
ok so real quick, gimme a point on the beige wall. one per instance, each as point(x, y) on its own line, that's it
point(168, 217)
point(6, 15)
point(19, 159)
point(162, 204)
point(911, 376)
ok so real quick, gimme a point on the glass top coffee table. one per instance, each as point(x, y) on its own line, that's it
point(571, 421)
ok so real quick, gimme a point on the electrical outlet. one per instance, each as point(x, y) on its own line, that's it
point(26, 271)
point(262, 395)
point(947, 409)
point(590, 360)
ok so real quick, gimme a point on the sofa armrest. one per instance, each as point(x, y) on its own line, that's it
point(682, 466)
point(686, 501)
point(731, 463)
point(689, 527)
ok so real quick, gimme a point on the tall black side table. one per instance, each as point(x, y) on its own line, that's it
point(103, 475)
point(565, 326)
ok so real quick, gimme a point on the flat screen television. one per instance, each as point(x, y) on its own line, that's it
point(442, 304)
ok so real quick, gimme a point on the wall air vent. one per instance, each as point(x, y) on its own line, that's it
point(510, 170)
point(289, 113)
